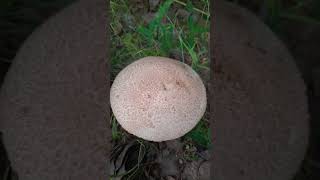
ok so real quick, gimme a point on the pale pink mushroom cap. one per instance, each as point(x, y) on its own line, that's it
point(158, 99)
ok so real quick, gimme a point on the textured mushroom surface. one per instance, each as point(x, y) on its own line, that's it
point(260, 115)
point(54, 101)
point(158, 98)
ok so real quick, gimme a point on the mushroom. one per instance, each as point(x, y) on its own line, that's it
point(158, 99)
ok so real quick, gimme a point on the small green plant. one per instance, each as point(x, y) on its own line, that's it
point(157, 34)
point(164, 35)
point(200, 135)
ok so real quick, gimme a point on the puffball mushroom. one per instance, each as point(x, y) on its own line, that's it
point(158, 99)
